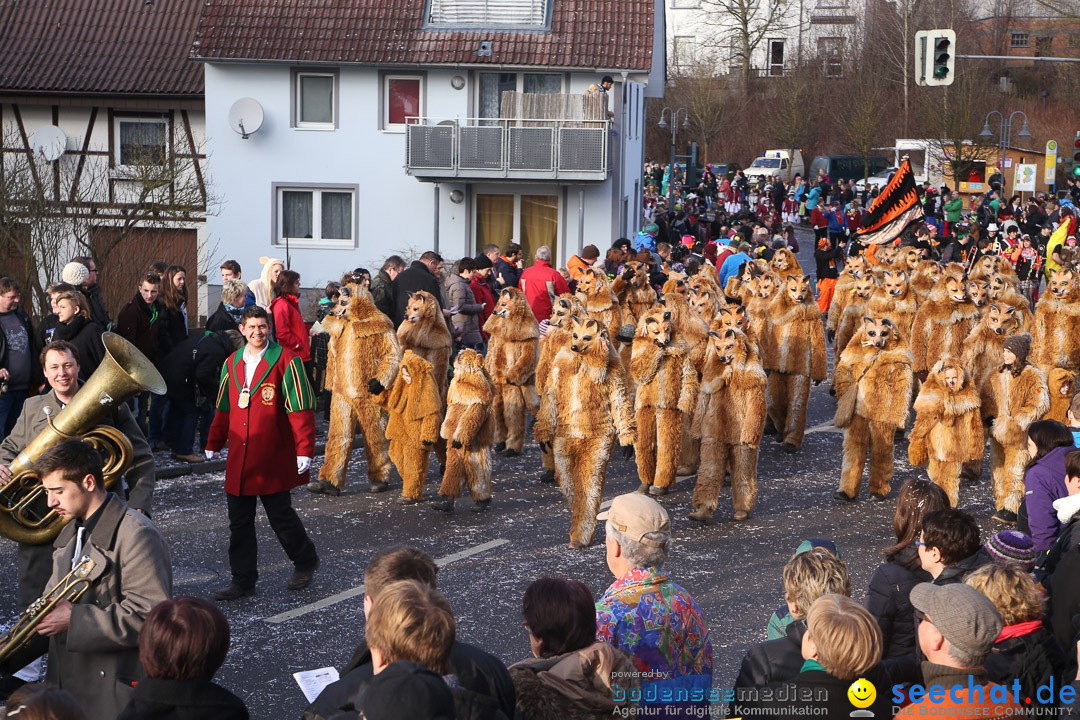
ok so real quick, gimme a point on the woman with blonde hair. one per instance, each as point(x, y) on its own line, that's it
point(1025, 650)
point(263, 286)
point(75, 326)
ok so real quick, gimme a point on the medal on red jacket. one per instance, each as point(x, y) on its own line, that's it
point(245, 396)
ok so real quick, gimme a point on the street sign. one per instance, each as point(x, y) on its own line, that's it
point(1025, 178)
point(1050, 168)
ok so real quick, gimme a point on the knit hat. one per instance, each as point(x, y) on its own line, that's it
point(967, 619)
point(651, 229)
point(823, 543)
point(1020, 346)
point(74, 273)
point(590, 252)
point(1012, 547)
point(483, 262)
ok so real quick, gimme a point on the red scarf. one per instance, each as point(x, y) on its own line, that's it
point(1018, 630)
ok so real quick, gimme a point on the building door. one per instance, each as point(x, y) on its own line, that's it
point(528, 220)
point(122, 260)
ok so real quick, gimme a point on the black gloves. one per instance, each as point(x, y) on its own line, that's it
point(374, 386)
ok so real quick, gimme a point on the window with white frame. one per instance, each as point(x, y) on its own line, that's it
point(488, 14)
point(683, 50)
point(831, 52)
point(685, 3)
point(141, 141)
point(1020, 40)
point(776, 58)
point(492, 86)
point(403, 98)
point(323, 216)
point(316, 100)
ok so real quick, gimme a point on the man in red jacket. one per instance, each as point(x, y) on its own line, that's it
point(265, 412)
point(541, 283)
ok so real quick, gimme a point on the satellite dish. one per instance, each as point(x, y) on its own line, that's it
point(246, 116)
point(49, 142)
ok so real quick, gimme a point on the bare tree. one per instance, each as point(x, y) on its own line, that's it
point(739, 27)
point(711, 105)
point(861, 122)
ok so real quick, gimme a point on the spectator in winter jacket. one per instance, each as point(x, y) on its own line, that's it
point(230, 270)
point(231, 308)
point(423, 274)
point(781, 617)
point(1058, 571)
point(481, 285)
point(577, 264)
point(807, 576)
point(289, 327)
point(1044, 481)
point(733, 264)
point(75, 325)
point(837, 222)
point(507, 268)
point(94, 296)
point(646, 239)
point(949, 546)
point(139, 322)
point(819, 222)
point(826, 258)
point(382, 284)
point(20, 369)
point(1025, 650)
point(541, 283)
point(888, 599)
point(460, 295)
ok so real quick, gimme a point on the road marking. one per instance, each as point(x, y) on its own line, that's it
point(823, 427)
point(359, 590)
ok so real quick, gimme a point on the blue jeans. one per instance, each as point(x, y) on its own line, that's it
point(159, 409)
point(10, 408)
point(180, 426)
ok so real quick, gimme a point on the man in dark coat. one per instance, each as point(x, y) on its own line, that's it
point(94, 296)
point(508, 269)
point(231, 308)
point(19, 368)
point(382, 292)
point(423, 274)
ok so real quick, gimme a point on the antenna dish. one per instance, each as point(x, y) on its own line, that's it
point(246, 117)
point(49, 142)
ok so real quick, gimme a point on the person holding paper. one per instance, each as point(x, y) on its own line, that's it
point(266, 414)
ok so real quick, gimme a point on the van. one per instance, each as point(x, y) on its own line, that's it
point(845, 167)
point(785, 163)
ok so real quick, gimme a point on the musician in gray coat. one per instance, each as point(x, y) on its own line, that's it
point(94, 642)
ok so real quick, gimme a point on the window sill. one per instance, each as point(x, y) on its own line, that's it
point(316, 128)
point(310, 244)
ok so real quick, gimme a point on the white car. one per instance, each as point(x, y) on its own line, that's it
point(878, 180)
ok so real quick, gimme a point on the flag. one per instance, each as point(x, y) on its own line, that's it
point(892, 211)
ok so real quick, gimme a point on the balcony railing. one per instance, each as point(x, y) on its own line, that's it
point(518, 149)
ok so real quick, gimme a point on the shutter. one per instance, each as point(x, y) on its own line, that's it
point(498, 13)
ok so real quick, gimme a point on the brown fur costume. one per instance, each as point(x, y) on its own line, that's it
point(948, 429)
point(511, 364)
point(599, 300)
point(734, 317)
point(691, 330)
point(1056, 327)
point(978, 293)
point(666, 392)
point(584, 410)
point(729, 420)
point(895, 300)
point(468, 429)
point(988, 265)
point(981, 354)
point(1004, 292)
point(415, 410)
point(942, 323)
point(793, 350)
point(362, 347)
point(634, 291)
point(876, 366)
point(765, 288)
point(854, 312)
point(1061, 383)
point(854, 269)
point(563, 309)
point(705, 298)
point(1019, 400)
point(785, 264)
point(424, 331)
point(925, 278)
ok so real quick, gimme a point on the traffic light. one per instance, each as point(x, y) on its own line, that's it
point(693, 169)
point(935, 57)
point(1074, 171)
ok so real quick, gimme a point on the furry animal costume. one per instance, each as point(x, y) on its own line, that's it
point(563, 309)
point(764, 288)
point(948, 429)
point(705, 298)
point(1056, 327)
point(363, 354)
point(854, 312)
point(415, 410)
point(876, 366)
point(424, 331)
point(511, 364)
point(855, 268)
point(599, 300)
point(1004, 292)
point(981, 354)
point(666, 391)
point(634, 292)
point(1020, 398)
point(691, 330)
point(584, 410)
point(941, 324)
point(734, 317)
point(895, 300)
point(785, 264)
point(1060, 383)
point(729, 420)
point(925, 278)
point(978, 293)
point(793, 350)
point(468, 430)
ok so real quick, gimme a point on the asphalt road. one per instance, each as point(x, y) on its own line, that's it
point(733, 570)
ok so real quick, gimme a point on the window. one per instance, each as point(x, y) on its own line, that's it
point(488, 14)
point(493, 85)
point(403, 98)
point(831, 51)
point(683, 51)
point(776, 58)
point(532, 219)
point(685, 3)
point(1019, 40)
point(141, 141)
point(316, 217)
point(316, 100)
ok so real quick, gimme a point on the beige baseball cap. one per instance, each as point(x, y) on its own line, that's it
point(636, 515)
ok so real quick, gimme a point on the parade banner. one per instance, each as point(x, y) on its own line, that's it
point(894, 210)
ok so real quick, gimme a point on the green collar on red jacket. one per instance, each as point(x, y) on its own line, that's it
point(273, 352)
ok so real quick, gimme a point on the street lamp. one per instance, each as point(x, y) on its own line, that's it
point(674, 124)
point(1005, 126)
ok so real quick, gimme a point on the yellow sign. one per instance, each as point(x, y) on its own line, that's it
point(1050, 168)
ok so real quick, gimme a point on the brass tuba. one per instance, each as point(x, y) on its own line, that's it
point(71, 587)
point(123, 373)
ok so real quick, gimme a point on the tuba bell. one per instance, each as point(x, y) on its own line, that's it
point(123, 373)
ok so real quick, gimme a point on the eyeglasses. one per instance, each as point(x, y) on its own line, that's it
point(920, 616)
point(920, 543)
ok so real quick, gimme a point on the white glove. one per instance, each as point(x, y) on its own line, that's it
point(302, 464)
point(209, 454)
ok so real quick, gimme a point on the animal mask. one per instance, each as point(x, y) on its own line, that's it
point(954, 288)
point(725, 345)
point(877, 332)
point(857, 266)
point(798, 289)
point(421, 304)
point(657, 327)
point(563, 309)
point(895, 283)
point(731, 318)
point(1002, 319)
point(864, 287)
point(587, 336)
point(1061, 283)
point(978, 292)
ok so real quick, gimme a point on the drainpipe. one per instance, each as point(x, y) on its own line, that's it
point(581, 218)
point(435, 234)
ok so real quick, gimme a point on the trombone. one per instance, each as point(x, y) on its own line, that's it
point(71, 587)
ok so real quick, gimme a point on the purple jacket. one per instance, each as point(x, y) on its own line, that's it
point(1044, 483)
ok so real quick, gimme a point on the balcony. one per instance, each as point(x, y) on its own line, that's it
point(507, 149)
